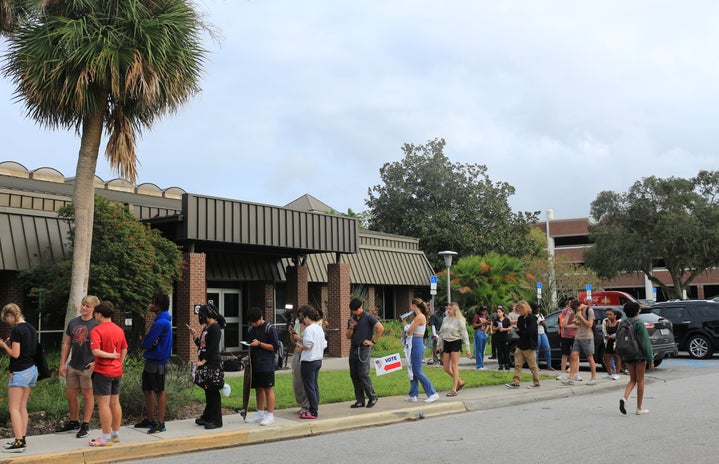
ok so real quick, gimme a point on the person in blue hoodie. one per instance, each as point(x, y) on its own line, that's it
point(158, 347)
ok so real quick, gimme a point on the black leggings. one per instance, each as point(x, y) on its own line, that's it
point(502, 353)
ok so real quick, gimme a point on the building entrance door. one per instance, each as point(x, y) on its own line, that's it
point(228, 302)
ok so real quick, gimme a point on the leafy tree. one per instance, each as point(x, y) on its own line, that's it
point(93, 64)
point(569, 278)
point(448, 206)
point(129, 263)
point(670, 223)
point(486, 280)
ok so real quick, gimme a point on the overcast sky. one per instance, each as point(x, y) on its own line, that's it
point(561, 99)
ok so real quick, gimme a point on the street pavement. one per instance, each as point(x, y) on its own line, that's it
point(183, 436)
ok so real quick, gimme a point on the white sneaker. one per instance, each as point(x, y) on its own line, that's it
point(577, 378)
point(562, 376)
point(609, 376)
point(592, 382)
point(432, 398)
point(256, 418)
point(615, 377)
point(411, 399)
point(268, 420)
point(482, 369)
point(641, 412)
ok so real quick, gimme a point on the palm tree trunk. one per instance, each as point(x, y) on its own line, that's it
point(83, 199)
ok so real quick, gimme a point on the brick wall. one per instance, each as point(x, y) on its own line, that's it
point(338, 311)
point(191, 291)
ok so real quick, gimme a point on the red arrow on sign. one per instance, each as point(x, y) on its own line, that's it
point(394, 365)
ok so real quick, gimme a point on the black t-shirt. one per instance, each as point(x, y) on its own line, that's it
point(26, 336)
point(364, 330)
point(263, 360)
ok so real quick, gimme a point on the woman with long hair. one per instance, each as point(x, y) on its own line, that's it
point(637, 365)
point(500, 327)
point(451, 336)
point(416, 331)
point(20, 346)
point(208, 353)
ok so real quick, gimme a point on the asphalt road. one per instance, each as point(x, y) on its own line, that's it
point(587, 429)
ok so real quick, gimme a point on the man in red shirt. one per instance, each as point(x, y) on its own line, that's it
point(108, 345)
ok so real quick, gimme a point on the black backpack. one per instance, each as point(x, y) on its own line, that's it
point(626, 342)
point(279, 353)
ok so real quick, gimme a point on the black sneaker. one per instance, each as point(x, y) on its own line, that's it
point(156, 427)
point(69, 426)
point(144, 424)
point(18, 446)
point(83, 430)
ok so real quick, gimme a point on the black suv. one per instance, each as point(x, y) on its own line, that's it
point(696, 325)
point(659, 329)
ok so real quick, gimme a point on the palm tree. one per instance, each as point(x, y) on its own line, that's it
point(95, 65)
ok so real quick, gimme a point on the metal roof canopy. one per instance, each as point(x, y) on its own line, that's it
point(257, 226)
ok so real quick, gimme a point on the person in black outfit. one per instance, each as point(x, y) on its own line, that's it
point(364, 330)
point(500, 327)
point(208, 344)
point(526, 350)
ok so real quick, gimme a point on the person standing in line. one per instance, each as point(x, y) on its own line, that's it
point(583, 342)
point(78, 372)
point(526, 349)
point(157, 344)
point(363, 329)
point(637, 365)
point(264, 342)
point(451, 337)
point(500, 327)
point(313, 348)
point(610, 324)
point(480, 324)
point(20, 346)
point(542, 340)
point(493, 322)
point(297, 331)
point(568, 330)
point(435, 323)
point(416, 331)
point(208, 353)
point(108, 345)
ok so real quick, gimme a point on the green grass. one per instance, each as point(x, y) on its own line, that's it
point(335, 386)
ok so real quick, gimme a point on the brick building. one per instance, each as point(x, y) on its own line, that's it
point(236, 254)
point(570, 237)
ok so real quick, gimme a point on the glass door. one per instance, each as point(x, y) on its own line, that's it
point(228, 302)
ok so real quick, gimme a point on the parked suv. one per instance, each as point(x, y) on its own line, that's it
point(696, 325)
point(659, 329)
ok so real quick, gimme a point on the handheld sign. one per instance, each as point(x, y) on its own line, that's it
point(387, 364)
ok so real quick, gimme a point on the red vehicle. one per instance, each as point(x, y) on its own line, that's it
point(607, 298)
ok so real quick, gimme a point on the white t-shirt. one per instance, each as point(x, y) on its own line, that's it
point(314, 338)
point(540, 319)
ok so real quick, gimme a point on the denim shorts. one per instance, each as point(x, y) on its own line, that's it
point(23, 379)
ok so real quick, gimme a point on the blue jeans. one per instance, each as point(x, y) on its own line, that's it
point(480, 344)
point(417, 374)
point(543, 347)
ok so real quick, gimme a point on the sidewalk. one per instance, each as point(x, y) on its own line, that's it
point(184, 436)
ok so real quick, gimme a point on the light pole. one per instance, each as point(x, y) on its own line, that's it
point(447, 255)
point(550, 253)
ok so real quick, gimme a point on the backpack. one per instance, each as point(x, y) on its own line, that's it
point(626, 342)
point(279, 353)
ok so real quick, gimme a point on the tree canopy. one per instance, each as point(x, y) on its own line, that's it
point(448, 206)
point(130, 262)
point(670, 224)
point(488, 280)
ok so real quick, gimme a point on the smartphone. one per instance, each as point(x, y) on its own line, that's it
point(245, 343)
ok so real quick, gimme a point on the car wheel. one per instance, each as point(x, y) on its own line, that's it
point(699, 347)
point(658, 362)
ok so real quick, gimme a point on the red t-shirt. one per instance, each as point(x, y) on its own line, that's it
point(108, 337)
